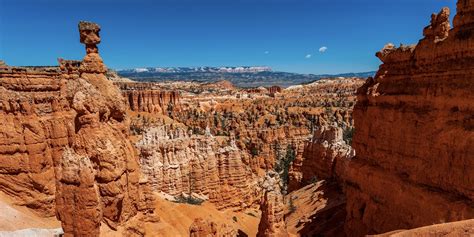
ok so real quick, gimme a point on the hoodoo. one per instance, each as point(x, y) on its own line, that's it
point(65, 146)
point(414, 134)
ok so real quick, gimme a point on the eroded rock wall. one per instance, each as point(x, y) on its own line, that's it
point(144, 97)
point(324, 157)
point(64, 143)
point(177, 162)
point(207, 228)
point(36, 123)
point(414, 134)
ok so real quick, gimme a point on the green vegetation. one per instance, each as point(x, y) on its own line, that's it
point(283, 166)
point(292, 205)
point(348, 134)
point(313, 180)
point(189, 200)
point(234, 218)
point(254, 151)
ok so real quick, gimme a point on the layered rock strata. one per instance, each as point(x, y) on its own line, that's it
point(147, 97)
point(152, 101)
point(64, 143)
point(272, 223)
point(36, 124)
point(415, 133)
point(324, 157)
point(265, 126)
point(177, 163)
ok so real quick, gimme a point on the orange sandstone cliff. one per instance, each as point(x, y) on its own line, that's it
point(177, 162)
point(65, 147)
point(145, 97)
point(414, 134)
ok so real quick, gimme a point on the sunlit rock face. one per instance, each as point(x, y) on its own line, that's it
point(415, 133)
point(147, 97)
point(324, 157)
point(207, 228)
point(178, 162)
point(272, 222)
point(65, 147)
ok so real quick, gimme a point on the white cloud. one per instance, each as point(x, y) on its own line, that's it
point(323, 49)
point(308, 56)
point(266, 52)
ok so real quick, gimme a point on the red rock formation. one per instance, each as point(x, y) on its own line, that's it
point(176, 163)
point(272, 223)
point(152, 101)
point(274, 89)
point(415, 133)
point(98, 178)
point(266, 126)
point(64, 143)
point(324, 157)
point(36, 124)
point(146, 97)
point(206, 228)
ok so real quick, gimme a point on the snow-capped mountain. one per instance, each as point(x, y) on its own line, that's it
point(242, 69)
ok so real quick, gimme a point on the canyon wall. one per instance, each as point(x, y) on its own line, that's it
point(36, 123)
point(145, 97)
point(324, 157)
point(177, 163)
point(414, 134)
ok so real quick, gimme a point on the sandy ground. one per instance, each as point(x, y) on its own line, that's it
point(310, 204)
point(14, 217)
point(176, 218)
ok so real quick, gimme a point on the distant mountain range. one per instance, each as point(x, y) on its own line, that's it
point(243, 69)
point(246, 76)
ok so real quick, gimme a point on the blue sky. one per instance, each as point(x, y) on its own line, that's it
point(283, 34)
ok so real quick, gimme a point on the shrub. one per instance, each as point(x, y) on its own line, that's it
point(292, 206)
point(313, 180)
point(251, 214)
point(189, 200)
point(234, 218)
point(283, 166)
point(348, 134)
point(254, 151)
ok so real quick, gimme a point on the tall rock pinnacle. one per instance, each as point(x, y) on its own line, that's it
point(92, 62)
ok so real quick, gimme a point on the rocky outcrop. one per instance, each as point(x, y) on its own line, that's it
point(272, 223)
point(146, 97)
point(36, 124)
point(64, 143)
point(274, 89)
point(415, 133)
point(152, 101)
point(325, 156)
point(97, 177)
point(459, 228)
point(207, 228)
point(177, 162)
